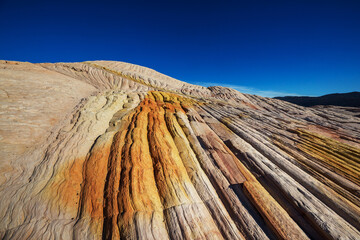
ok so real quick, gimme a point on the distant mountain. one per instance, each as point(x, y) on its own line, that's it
point(351, 99)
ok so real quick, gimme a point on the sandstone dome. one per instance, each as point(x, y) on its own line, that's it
point(112, 150)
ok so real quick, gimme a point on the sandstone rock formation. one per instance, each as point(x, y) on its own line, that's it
point(111, 150)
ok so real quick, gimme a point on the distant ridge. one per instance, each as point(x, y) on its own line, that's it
point(351, 99)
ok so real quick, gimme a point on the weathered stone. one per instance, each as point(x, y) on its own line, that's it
point(111, 150)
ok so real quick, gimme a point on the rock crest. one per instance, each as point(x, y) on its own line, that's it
point(112, 150)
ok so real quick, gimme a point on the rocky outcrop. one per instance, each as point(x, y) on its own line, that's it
point(111, 150)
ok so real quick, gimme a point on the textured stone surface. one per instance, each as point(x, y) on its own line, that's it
point(111, 150)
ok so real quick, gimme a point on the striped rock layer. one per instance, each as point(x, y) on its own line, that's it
point(111, 150)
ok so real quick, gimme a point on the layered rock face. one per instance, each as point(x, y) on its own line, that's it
point(111, 150)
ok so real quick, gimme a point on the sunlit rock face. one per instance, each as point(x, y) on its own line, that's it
point(111, 150)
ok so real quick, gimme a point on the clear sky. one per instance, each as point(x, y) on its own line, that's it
point(268, 47)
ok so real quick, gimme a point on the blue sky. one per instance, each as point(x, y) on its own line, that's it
point(269, 48)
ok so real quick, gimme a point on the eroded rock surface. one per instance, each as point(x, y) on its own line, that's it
point(111, 150)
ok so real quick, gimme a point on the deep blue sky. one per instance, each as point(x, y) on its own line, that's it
point(299, 47)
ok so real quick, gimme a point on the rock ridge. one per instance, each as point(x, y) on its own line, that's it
point(111, 150)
